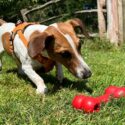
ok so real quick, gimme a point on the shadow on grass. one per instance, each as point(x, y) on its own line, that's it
point(12, 70)
point(51, 80)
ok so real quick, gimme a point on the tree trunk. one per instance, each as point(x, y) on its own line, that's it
point(123, 16)
point(113, 24)
point(101, 18)
point(120, 19)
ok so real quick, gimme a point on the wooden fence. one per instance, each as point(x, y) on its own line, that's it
point(114, 30)
point(26, 12)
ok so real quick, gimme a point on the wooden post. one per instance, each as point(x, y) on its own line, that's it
point(101, 18)
point(123, 6)
point(120, 17)
point(112, 19)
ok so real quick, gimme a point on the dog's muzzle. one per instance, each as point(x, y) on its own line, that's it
point(83, 73)
point(86, 74)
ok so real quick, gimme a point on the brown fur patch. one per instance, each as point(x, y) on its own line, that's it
point(36, 46)
point(78, 23)
point(36, 43)
point(7, 43)
point(60, 41)
point(34, 34)
point(61, 45)
point(67, 28)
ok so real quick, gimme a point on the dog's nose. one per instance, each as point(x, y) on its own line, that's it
point(87, 74)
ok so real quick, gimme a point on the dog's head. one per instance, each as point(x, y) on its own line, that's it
point(62, 45)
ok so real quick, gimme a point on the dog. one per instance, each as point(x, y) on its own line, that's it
point(39, 46)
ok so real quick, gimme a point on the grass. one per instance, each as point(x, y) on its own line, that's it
point(19, 105)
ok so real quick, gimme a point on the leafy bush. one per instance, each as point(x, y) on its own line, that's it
point(10, 10)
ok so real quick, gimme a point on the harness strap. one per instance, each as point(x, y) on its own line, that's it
point(22, 37)
point(22, 26)
point(19, 29)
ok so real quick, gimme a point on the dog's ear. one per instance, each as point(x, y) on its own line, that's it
point(78, 23)
point(38, 43)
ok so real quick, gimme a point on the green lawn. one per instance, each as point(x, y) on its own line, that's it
point(19, 105)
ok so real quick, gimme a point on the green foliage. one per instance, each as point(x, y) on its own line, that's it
point(20, 105)
point(99, 44)
point(10, 11)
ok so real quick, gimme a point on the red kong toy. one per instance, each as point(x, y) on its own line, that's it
point(91, 105)
point(110, 90)
point(120, 92)
point(115, 91)
point(78, 101)
point(104, 98)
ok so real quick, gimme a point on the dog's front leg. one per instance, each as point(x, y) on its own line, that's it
point(59, 72)
point(35, 78)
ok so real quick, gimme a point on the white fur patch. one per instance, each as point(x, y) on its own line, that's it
point(55, 25)
point(30, 29)
point(68, 37)
point(7, 27)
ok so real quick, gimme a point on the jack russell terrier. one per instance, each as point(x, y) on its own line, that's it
point(36, 46)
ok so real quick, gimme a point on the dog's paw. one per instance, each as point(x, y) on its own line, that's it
point(41, 90)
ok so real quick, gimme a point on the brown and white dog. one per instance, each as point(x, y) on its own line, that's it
point(57, 42)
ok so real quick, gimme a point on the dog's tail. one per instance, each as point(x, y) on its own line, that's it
point(2, 22)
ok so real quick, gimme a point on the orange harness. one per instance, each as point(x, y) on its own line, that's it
point(19, 29)
point(47, 63)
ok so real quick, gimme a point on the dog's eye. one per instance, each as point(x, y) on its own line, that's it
point(65, 54)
